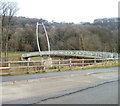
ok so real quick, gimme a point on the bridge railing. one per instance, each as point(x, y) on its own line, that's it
point(20, 67)
point(73, 53)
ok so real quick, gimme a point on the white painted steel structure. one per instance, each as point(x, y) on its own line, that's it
point(38, 44)
point(76, 53)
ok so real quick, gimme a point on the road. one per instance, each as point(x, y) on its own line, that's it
point(102, 94)
point(53, 74)
point(38, 90)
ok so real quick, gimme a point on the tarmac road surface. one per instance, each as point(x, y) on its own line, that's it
point(102, 94)
point(43, 89)
point(53, 74)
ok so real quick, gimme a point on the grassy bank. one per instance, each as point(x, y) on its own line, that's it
point(13, 54)
point(18, 54)
point(45, 57)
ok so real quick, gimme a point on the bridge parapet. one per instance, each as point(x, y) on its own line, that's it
point(73, 53)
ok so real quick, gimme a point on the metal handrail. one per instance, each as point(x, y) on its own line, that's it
point(74, 53)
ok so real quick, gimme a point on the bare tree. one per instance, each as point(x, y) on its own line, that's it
point(7, 11)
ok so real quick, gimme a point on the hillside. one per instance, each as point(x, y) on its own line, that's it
point(101, 35)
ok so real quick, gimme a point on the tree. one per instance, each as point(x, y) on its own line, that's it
point(7, 11)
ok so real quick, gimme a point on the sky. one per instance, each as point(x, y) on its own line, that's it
point(68, 10)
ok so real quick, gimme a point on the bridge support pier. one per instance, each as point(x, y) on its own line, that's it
point(47, 62)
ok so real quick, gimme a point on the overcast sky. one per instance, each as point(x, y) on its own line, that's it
point(68, 10)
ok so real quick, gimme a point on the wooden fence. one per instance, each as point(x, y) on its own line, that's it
point(49, 65)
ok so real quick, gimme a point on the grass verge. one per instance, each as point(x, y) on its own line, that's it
point(13, 54)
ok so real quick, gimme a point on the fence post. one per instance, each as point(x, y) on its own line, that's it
point(59, 65)
point(94, 62)
point(83, 61)
point(70, 63)
point(102, 62)
point(105, 62)
point(9, 69)
point(28, 67)
point(43, 63)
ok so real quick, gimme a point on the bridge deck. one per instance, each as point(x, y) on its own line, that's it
point(76, 53)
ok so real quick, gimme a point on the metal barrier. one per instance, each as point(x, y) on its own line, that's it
point(89, 54)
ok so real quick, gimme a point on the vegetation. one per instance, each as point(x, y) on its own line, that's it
point(92, 37)
point(7, 12)
point(13, 54)
point(18, 33)
point(45, 57)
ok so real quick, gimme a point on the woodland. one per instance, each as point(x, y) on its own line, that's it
point(19, 33)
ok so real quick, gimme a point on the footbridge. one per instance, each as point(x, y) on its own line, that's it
point(74, 53)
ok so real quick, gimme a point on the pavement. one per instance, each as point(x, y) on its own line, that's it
point(35, 91)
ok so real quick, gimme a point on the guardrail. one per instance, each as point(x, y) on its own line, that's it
point(18, 67)
point(91, 54)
